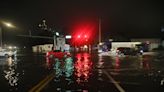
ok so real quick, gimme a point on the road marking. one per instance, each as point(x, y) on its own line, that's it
point(130, 83)
point(124, 69)
point(114, 82)
point(118, 70)
point(42, 83)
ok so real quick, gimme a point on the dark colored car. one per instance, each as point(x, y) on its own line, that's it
point(57, 54)
point(128, 51)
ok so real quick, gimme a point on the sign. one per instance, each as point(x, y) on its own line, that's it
point(68, 36)
point(60, 43)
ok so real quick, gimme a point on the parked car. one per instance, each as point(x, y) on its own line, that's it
point(7, 53)
point(57, 54)
point(128, 51)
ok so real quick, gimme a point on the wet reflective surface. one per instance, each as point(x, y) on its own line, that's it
point(11, 74)
point(83, 72)
point(83, 67)
point(21, 73)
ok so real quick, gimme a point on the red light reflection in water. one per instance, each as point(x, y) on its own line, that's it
point(49, 63)
point(83, 67)
point(146, 62)
point(117, 63)
point(11, 74)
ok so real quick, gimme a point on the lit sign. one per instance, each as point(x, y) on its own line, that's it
point(68, 36)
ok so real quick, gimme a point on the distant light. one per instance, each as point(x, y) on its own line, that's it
point(78, 36)
point(110, 40)
point(141, 51)
point(147, 42)
point(85, 46)
point(100, 43)
point(85, 36)
point(40, 25)
point(10, 47)
point(57, 33)
point(15, 47)
point(68, 36)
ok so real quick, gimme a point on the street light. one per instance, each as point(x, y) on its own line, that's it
point(7, 24)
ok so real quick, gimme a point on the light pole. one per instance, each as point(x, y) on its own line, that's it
point(99, 49)
point(1, 36)
point(99, 31)
point(7, 24)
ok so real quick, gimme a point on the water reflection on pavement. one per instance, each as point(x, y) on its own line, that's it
point(21, 73)
point(124, 69)
point(71, 74)
point(83, 67)
point(10, 72)
point(82, 73)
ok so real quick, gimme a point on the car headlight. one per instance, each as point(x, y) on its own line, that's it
point(141, 51)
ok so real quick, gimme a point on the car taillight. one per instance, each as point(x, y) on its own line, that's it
point(68, 53)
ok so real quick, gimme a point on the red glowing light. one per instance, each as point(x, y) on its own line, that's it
point(83, 66)
point(78, 36)
point(85, 36)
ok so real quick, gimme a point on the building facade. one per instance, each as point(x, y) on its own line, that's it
point(152, 43)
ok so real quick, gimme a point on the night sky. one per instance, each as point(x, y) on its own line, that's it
point(125, 18)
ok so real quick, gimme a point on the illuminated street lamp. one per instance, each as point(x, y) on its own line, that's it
point(7, 24)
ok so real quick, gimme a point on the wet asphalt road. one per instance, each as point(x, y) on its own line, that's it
point(85, 73)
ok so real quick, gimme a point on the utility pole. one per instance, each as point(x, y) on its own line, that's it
point(1, 36)
point(55, 41)
point(99, 30)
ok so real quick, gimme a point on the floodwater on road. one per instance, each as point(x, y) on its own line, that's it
point(83, 72)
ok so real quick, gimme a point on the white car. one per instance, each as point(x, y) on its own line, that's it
point(7, 53)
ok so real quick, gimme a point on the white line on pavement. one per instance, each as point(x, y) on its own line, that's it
point(114, 82)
